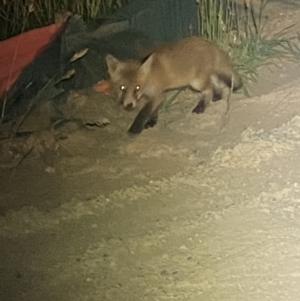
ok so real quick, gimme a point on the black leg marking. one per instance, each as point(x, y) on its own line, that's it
point(200, 108)
point(151, 123)
point(217, 95)
point(141, 120)
point(152, 120)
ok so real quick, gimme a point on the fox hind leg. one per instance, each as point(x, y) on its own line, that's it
point(207, 93)
point(212, 91)
point(206, 97)
point(200, 107)
point(217, 94)
point(217, 87)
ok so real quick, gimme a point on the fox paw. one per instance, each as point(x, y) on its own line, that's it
point(151, 123)
point(200, 108)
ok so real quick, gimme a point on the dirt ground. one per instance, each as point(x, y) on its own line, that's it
point(201, 207)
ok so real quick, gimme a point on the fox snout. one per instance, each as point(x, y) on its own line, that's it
point(128, 102)
point(128, 98)
point(129, 106)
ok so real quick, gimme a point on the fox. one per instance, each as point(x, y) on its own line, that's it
point(192, 62)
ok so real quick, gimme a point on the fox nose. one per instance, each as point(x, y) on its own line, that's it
point(129, 106)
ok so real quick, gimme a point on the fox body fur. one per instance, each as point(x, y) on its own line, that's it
point(193, 62)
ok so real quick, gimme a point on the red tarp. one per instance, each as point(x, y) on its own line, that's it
point(17, 52)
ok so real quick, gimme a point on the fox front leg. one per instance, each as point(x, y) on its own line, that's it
point(146, 118)
point(152, 121)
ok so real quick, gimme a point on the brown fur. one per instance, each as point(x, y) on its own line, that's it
point(192, 62)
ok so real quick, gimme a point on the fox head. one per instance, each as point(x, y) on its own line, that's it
point(129, 80)
point(123, 77)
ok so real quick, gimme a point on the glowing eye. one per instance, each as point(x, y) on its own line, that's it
point(137, 88)
point(122, 88)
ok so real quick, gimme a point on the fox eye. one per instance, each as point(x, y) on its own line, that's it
point(122, 88)
point(137, 88)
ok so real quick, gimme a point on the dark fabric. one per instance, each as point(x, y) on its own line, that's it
point(40, 80)
point(146, 22)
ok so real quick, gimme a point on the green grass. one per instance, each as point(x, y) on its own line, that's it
point(239, 30)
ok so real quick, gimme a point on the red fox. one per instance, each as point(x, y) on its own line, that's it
point(190, 62)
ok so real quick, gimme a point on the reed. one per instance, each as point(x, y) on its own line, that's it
point(239, 30)
point(18, 16)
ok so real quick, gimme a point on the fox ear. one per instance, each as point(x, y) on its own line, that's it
point(146, 67)
point(112, 63)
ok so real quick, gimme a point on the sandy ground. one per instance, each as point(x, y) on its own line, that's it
point(201, 207)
